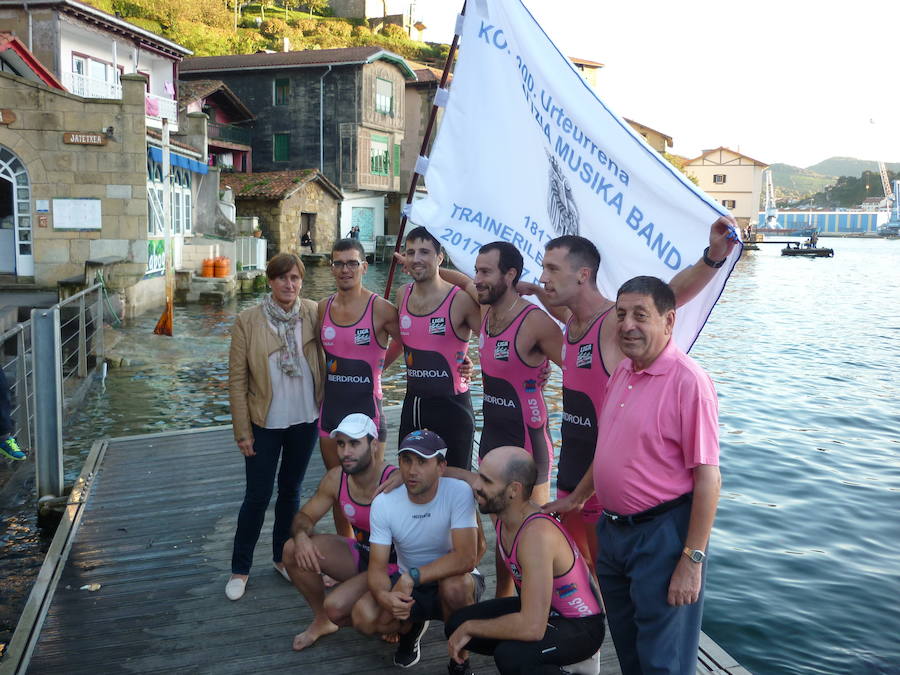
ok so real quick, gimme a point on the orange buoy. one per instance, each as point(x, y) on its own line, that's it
point(222, 267)
point(208, 268)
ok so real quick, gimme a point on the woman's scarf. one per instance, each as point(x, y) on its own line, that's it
point(285, 324)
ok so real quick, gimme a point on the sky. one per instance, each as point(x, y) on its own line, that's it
point(790, 81)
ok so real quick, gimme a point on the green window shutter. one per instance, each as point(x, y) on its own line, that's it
point(282, 91)
point(396, 171)
point(281, 144)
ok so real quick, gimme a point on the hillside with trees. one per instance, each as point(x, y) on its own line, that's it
point(215, 27)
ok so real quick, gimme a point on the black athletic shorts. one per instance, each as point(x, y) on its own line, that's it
point(451, 418)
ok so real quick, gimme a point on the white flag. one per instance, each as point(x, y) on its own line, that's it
point(527, 151)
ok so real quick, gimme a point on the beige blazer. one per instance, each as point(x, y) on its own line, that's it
point(252, 341)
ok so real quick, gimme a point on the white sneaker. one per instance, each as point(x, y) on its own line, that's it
point(590, 666)
point(234, 589)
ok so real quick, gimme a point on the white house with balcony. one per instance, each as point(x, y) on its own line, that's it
point(89, 50)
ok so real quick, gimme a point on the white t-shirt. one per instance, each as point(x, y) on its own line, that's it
point(420, 533)
point(293, 396)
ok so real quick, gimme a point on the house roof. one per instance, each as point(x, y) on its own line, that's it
point(426, 74)
point(155, 135)
point(190, 91)
point(644, 126)
point(706, 153)
point(276, 185)
point(307, 58)
point(585, 62)
point(108, 22)
point(15, 54)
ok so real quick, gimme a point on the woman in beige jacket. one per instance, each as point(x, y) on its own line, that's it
point(276, 366)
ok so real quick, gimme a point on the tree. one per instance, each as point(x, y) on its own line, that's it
point(317, 6)
point(262, 7)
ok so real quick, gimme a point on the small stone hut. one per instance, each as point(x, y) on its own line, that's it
point(289, 204)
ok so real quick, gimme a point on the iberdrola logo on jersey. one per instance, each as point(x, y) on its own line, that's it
point(332, 365)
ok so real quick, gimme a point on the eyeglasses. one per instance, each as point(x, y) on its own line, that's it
point(340, 264)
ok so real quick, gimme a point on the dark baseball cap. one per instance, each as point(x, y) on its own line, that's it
point(424, 443)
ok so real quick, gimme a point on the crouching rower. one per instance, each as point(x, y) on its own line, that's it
point(557, 619)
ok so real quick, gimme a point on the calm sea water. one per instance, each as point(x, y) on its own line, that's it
point(805, 567)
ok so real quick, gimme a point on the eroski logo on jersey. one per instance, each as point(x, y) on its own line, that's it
point(437, 326)
point(585, 356)
point(405, 322)
point(362, 337)
point(501, 350)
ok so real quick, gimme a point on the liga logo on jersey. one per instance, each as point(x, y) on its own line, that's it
point(437, 325)
point(585, 356)
point(501, 350)
point(362, 337)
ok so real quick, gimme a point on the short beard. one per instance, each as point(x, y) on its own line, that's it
point(495, 293)
point(495, 504)
point(361, 465)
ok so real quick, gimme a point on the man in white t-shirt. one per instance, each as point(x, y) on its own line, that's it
point(432, 524)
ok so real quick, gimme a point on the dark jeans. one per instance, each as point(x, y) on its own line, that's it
point(294, 445)
point(566, 641)
point(7, 427)
point(634, 567)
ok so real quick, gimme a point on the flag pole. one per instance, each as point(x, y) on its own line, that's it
point(414, 181)
point(165, 324)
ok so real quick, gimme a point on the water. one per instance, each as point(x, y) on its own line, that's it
point(805, 564)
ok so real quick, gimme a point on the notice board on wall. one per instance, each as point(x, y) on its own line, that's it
point(76, 214)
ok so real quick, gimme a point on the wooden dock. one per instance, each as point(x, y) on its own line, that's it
point(149, 526)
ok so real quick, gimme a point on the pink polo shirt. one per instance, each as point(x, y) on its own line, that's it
point(655, 427)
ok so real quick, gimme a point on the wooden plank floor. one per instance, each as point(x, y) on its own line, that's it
point(156, 535)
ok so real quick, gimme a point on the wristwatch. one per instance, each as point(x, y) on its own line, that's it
point(414, 575)
point(695, 555)
point(715, 264)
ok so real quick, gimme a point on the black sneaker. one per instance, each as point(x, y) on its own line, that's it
point(454, 668)
point(407, 654)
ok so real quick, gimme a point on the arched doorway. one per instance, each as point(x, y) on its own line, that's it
point(16, 254)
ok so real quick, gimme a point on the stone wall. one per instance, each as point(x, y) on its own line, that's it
point(114, 173)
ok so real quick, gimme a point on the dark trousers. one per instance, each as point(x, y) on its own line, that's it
point(7, 427)
point(566, 641)
point(294, 445)
point(634, 567)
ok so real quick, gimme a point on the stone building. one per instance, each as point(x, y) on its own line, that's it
point(289, 204)
point(79, 175)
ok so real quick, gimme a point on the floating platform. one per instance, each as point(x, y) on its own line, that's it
point(134, 580)
point(796, 249)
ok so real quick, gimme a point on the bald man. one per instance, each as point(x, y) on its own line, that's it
point(557, 618)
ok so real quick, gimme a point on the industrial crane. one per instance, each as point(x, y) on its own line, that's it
point(886, 184)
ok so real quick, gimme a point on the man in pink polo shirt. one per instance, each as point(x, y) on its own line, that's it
point(656, 475)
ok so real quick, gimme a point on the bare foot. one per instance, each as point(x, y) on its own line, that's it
point(316, 630)
point(391, 638)
point(329, 582)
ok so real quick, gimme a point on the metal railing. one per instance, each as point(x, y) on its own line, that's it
point(228, 132)
point(49, 362)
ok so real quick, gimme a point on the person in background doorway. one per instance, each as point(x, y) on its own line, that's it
point(275, 380)
point(306, 240)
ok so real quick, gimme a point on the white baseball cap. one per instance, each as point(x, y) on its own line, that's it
point(356, 425)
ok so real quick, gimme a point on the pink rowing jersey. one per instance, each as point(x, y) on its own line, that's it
point(584, 389)
point(513, 403)
point(354, 360)
point(432, 349)
point(358, 514)
point(574, 594)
